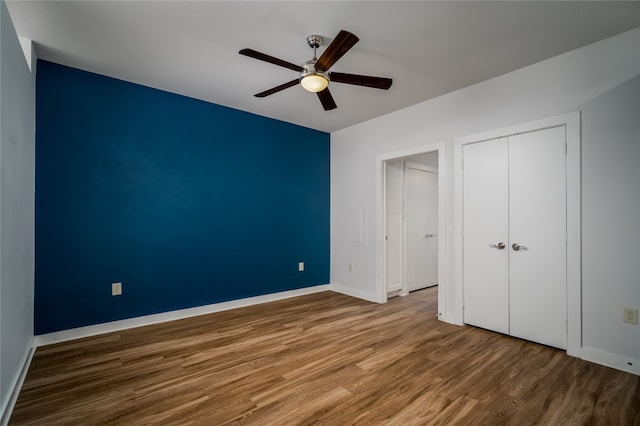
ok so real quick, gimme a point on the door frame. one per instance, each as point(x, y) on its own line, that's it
point(571, 121)
point(381, 288)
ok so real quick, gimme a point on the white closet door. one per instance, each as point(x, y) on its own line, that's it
point(486, 221)
point(537, 206)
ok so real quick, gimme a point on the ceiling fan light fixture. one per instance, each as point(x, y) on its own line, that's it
point(315, 75)
point(314, 82)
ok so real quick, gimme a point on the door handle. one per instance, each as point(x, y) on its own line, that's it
point(430, 235)
point(499, 246)
point(518, 247)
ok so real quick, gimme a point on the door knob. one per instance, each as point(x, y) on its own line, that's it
point(499, 246)
point(517, 247)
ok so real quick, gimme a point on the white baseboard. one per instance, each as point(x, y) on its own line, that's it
point(610, 360)
point(93, 330)
point(16, 386)
point(371, 297)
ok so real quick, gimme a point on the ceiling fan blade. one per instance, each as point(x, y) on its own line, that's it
point(327, 100)
point(361, 80)
point(277, 88)
point(271, 59)
point(338, 47)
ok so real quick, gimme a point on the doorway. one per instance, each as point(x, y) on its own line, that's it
point(411, 223)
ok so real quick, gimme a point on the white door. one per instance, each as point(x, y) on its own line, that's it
point(421, 232)
point(515, 193)
point(537, 206)
point(486, 234)
point(393, 227)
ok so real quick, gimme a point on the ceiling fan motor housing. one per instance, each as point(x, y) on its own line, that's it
point(310, 69)
point(314, 41)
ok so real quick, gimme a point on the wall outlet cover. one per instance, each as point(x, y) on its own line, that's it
point(116, 289)
point(631, 315)
point(301, 266)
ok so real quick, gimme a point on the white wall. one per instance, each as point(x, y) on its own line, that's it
point(17, 185)
point(611, 221)
point(558, 85)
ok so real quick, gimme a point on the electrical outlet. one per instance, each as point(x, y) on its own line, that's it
point(350, 267)
point(116, 289)
point(631, 315)
point(300, 266)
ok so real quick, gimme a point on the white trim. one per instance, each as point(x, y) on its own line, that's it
point(16, 387)
point(93, 330)
point(610, 360)
point(571, 121)
point(440, 148)
point(365, 295)
point(574, 233)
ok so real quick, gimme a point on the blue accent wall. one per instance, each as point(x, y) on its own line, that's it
point(185, 202)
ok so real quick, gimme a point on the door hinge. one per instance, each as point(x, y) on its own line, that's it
point(463, 233)
point(566, 149)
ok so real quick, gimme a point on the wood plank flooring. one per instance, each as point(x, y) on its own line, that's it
point(325, 359)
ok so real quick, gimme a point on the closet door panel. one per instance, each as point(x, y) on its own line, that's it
point(537, 223)
point(485, 198)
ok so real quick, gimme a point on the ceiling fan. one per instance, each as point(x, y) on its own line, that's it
point(315, 75)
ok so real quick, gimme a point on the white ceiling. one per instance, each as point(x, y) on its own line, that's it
point(428, 48)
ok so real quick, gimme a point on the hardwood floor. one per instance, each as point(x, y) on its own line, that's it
point(324, 359)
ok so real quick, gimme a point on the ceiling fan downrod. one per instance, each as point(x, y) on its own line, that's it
point(314, 41)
